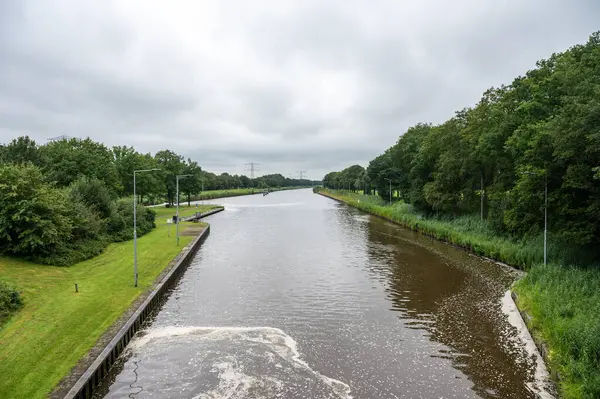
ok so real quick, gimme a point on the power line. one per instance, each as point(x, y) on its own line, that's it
point(301, 173)
point(252, 168)
point(59, 138)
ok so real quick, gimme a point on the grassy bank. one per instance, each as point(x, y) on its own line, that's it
point(563, 302)
point(56, 326)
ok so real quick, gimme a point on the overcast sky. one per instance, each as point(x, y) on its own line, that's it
point(292, 85)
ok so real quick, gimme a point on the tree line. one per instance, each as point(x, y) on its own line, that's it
point(63, 161)
point(497, 158)
point(64, 201)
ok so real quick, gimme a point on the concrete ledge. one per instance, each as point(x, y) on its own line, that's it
point(212, 212)
point(542, 385)
point(540, 345)
point(91, 378)
point(195, 218)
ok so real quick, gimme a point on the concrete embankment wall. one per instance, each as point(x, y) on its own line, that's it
point(85, 385)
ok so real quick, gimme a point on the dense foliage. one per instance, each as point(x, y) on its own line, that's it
point(60, 225)
point(10, 301)
point(64, 161)
point(496, 158)
point(58, 201)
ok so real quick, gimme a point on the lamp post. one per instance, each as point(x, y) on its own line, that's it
point(545, 213)
point(390, 180)
point(202, 192)
point(177, 199)
point(135, 272)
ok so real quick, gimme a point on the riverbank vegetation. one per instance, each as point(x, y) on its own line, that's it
point(65, 160)
point(64, 201)
point(484, 180)
point(57, 326)
point(564, 303)
point(61, 226)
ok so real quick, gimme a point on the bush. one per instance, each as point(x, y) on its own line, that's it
point(34, 216)
point(61, 226)
point(120, 225)
point(10, 301)
point(94, 194)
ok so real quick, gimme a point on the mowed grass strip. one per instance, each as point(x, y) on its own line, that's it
point(56, 327)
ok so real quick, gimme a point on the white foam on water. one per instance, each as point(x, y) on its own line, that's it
point(542, 384)
point(233, 381)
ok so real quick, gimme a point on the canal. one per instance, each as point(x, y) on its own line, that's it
point(294, 295)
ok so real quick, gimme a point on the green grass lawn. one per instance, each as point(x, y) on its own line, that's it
point(56, 327)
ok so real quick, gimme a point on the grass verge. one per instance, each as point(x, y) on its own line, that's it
point(563, 301)
point(41, 343)
point(564, 305)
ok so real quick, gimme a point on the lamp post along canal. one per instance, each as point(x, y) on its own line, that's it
point(545, 213)
point(390, 180)
point(135, 271)
point(177, 200)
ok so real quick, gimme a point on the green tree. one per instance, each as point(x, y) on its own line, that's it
point(65, 161)
point(34, 216)
point(171, 165)
point(20, 150)
point(149, 185)
point(497, 159)
point(191, 185)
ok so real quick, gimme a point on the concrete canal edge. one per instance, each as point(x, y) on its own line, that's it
point(545, 387)
point(93, 375)
point(212, 212)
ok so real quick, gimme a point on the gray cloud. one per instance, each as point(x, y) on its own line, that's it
point(315, 85)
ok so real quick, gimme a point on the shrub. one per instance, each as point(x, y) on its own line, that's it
point(94, 194)
point(61, 226)
point(120, 225)
point(10, 301)
point(34, 216)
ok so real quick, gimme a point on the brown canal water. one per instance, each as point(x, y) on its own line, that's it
point(294, 295)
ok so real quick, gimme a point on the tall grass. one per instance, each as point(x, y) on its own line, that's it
point(563, 301)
